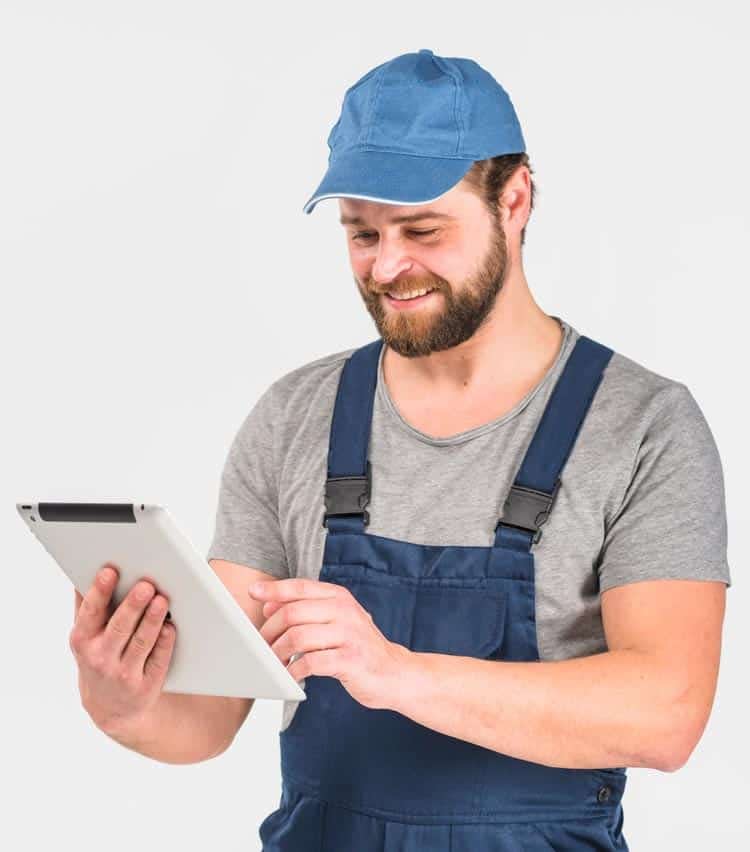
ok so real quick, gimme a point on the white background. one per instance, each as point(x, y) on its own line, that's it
point(158, 274)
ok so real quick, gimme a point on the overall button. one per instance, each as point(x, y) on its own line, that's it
point(604, 794)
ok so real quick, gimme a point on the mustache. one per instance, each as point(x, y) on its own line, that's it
point(399, 291)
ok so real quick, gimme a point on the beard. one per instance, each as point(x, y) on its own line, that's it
point(414, 333)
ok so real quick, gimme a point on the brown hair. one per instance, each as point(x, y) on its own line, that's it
point(487, 178)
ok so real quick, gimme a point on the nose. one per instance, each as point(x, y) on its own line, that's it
point(390, 262)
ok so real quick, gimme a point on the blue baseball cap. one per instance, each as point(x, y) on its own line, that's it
point(412, 127)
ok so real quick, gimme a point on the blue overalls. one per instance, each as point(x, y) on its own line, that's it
point(357, 779)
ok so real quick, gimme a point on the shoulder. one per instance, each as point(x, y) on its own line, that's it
point(311, 372)
point(630, 393)
point(654, 429)
point(634, 399)
point(644, 426)
point(315, 380)
point(297, 406)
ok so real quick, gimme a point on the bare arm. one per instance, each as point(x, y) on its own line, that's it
point(174, 727)
point(644, 702)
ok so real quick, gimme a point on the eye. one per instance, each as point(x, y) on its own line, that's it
point(366, 235)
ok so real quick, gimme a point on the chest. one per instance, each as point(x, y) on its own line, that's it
point(445, 416)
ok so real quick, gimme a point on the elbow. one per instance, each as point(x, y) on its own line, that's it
point(671, 760)
point(675, 759)
point(205, 754)
point(677, 736)
point(220, 750)
point(230, 732)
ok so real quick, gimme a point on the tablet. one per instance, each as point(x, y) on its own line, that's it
point(218, 650)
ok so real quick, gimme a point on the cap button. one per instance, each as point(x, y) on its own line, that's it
point(426, 50)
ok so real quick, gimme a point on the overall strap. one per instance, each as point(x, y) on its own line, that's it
point(347, 489)
point(533, 492)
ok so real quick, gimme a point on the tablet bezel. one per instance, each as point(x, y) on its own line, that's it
point(218, 650)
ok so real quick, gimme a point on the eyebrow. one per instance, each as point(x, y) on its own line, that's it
point(411, 217)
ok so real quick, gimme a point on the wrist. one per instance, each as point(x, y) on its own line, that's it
point(131, 731)
point(407, 677)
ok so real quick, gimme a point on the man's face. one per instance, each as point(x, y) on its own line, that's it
point(460, 255)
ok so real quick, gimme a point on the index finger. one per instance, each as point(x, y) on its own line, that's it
point(292, 588)
point(91, 608)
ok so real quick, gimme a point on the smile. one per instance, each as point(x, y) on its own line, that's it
point(416, 297)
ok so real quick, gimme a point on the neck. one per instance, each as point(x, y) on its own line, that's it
point(513, 348)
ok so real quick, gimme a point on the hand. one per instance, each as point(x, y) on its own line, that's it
point(335, 634)
point(122, 658)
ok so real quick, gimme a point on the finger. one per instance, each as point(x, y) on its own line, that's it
point(77, 602)
point(125, 618)
point(298, 612)
point(293, 588)
point(157, 662)
point(270, 607)
point(146, 633)
point(92, 609)
point(327, 662)
point(303, 638)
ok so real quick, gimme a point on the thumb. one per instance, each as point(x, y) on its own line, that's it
point(78, 600)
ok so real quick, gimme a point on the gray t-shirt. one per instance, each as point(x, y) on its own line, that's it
point(641, 495)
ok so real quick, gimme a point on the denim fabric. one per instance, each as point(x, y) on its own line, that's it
point(373, 780)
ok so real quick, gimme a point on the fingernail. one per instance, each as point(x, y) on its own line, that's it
point(257, 588)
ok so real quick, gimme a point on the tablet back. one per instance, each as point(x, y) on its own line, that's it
point(218, 650)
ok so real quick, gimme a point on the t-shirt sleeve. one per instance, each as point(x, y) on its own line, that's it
point(672, 521)
point(247, 529)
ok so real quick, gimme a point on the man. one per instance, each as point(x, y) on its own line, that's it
point(471, 684)
point(496, 548)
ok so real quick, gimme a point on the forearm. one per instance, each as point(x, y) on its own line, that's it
point(611, 709)
point(183, 728)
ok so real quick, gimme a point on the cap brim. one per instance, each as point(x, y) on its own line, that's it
point(389, 178)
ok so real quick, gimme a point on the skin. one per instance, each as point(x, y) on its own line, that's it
point(462, 358)
point(480, 342)
point(123, 653)
point(465, 356)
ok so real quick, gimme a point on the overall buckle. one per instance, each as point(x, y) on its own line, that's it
point(528, 508)
point(348, 495)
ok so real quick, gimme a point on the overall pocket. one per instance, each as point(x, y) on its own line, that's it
point(442, 615)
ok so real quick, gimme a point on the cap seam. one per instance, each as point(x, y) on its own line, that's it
point(373, 104)
point(388, 150)
point(412, 111)
point(446, 69)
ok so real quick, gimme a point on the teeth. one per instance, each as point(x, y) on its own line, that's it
point(410, 295)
